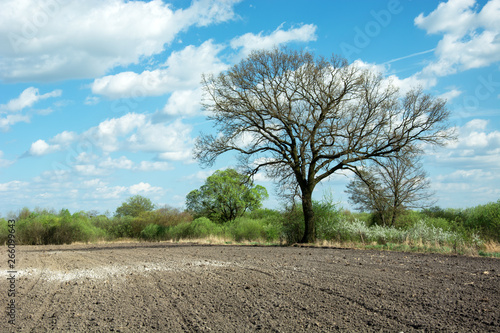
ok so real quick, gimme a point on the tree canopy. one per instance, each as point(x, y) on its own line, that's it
point(225, 196)
point(134, 206)
point(301, 118)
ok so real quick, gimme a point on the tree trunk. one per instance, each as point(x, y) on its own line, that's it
point(310, 223)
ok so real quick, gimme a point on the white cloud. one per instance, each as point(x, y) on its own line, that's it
point(201, 175)
point(449, 95)
point(249, 41)
point(12, 186)
point(153, 166)
point(119, 163)
point(470, 37)
point(464, 175)
point(12, 119)
point(476, 124)
point(183, 103)
point(96, 182)
point(40, 147)
point(404, 85)
point(476, 148)
point(143, 188)
point(28, 98)
point(56, 40)
point(90, 170)
point(181, 71)
point(107, 134)
point(106, 192)
point(172, 140)
point(57, 143)
point(64, 138)
point(4, 163)
point(179, 155)
point(132, 132)
point(91, 100)
point(86, 158)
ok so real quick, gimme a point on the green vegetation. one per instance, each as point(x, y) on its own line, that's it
point(135, 206)
point(463, 231)
point(225, 196)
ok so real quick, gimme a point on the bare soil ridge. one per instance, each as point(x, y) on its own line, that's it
point(147, 287)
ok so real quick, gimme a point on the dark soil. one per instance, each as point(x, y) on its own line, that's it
point(148, 287)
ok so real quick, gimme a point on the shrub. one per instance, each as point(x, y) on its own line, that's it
point(120, 227)
point(327, 214)
point(153, 232)
point(180, 231)
point(203, 227)
point(247, 229)
point(293, 224)
point(4, 231)
point(30, 231)
point(167, 216)
point(484, 219)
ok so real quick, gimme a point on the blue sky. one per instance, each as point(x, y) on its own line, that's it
point(99, 99)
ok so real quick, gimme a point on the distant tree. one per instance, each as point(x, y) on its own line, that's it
point(225, 196)
point(301, 118)
point(391, 187)
point(134, 206)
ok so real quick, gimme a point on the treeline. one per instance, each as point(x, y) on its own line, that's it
point(452, 228)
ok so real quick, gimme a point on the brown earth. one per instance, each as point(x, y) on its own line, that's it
point(148, 287)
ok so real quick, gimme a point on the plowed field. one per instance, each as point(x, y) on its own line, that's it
point(163, 287)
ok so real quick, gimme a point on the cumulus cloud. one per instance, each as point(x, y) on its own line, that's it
point(249, 42)
point(476, 148)
point(118, 163)
point(471, 37)
point(55, 40)
point(132, 132)
point(451, 94)
point(153, 166)
point(182, 103)
point(12, 186)
point(143, 188)
point(40, 147)
point(57, 143)
point(28, 98)
point(181, 71)
point(11, 119)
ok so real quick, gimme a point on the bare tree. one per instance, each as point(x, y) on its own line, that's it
point(301, 118)
point(391, 187)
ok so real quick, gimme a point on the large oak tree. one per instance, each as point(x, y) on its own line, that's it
point(301, 118)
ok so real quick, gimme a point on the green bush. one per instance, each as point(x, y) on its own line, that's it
point(327, 214)
point(4, 231)
point(30, 231)
point(203, 227)
point(120, 227)
point(153, 232)
point(293, 224)
point(484, 219)
point(248, 229)
point(168, 217)
point(439, 222)
point(450, 214)
point(180, 231)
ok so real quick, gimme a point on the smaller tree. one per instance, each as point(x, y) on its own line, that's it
point(134, 206)
point(225, 196)
point(389, 189)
